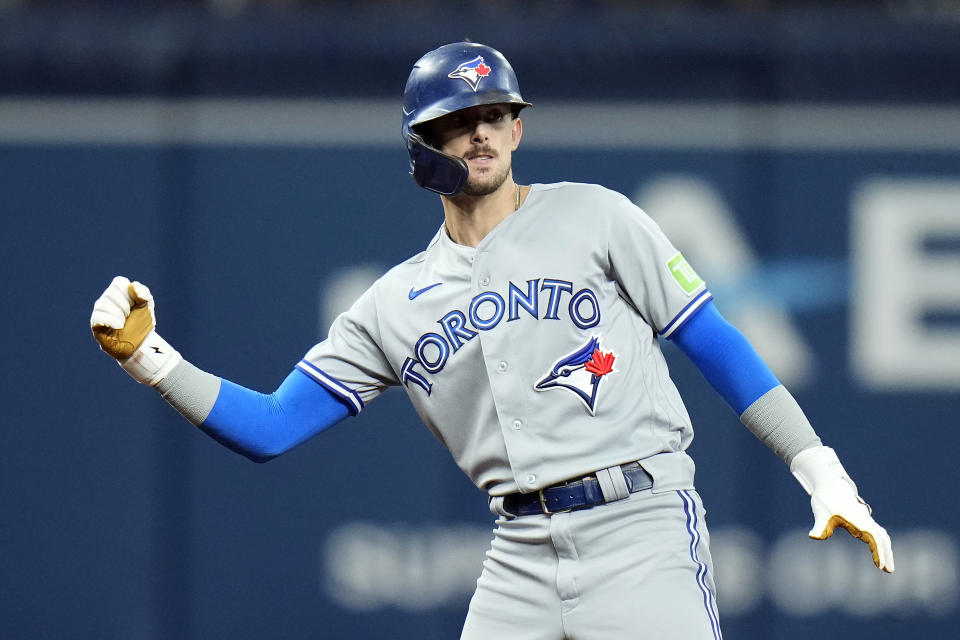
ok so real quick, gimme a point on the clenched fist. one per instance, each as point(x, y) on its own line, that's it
point(124, 323)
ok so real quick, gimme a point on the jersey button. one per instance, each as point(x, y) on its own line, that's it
point(517, 424)
point(531, 479)
point(484, 281)
point(502, 366)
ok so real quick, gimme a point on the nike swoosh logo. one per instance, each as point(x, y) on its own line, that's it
point(416, 292)
point(408, 113)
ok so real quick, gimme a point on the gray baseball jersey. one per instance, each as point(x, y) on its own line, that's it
point(534, 356)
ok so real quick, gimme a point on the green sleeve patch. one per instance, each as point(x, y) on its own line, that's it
point(683, 274)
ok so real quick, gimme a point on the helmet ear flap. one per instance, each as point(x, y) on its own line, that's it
point(434, 170)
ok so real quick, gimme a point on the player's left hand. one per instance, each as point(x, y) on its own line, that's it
point(835, 503)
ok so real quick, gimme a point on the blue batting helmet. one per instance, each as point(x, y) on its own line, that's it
point(453, 77)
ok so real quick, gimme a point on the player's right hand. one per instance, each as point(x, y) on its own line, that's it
point(123, 322)
point(122, 317)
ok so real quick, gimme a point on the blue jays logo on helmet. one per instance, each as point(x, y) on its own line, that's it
point(471, 72)
point(580, 373)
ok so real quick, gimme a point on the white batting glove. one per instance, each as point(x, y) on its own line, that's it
point(835, 502)
point(123, 322)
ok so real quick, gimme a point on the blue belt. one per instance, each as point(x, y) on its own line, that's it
point(573, 495)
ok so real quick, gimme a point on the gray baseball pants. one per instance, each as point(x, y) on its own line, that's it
point(634, 568)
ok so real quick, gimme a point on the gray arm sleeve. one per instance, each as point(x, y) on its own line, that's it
point(190, 391)
point(779, 422)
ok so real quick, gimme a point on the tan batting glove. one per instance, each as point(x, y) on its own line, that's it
point(123, 322)
point(835, 502)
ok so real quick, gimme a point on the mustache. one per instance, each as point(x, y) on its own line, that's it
point(480, 151)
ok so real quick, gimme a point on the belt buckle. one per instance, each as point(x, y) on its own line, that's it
point(543, 505)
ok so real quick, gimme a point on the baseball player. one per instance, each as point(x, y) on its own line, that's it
point(526, 337)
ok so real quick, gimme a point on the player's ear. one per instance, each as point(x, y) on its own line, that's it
point(516, 133)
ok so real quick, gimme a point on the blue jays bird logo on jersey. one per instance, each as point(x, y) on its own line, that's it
point(471, 72)
point(580, 373)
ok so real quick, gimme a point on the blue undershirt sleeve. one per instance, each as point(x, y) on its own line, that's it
point(725, 358)
point(262, 426)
